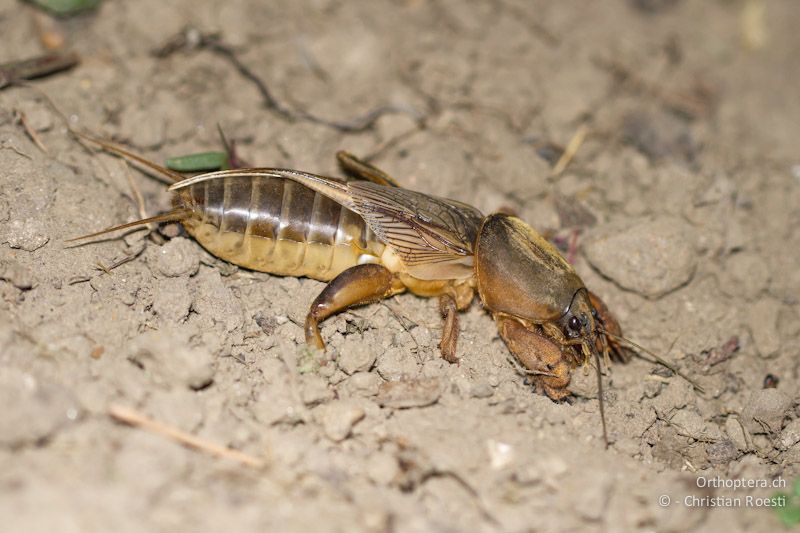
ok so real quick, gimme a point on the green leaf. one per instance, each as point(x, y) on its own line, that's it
point(201, 162)
point(789, 512)
point(66, 7)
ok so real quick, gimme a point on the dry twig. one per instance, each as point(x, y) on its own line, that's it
point(20, 117)
point(570, 151)
point(138, 420)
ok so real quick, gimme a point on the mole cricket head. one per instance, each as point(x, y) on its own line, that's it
point(581, 325)
point(520, 273)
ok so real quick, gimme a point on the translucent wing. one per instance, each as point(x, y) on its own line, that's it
point(422, 229)
point(433, 237)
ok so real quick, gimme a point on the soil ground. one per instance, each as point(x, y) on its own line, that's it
point(682, 201)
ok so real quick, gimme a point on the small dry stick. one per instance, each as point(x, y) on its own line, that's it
point(23, 120)
point(36, 67)
point(8, 145)
point(102, 267)
point(570, 151)
point(192, 38)
point(136, 419)
point(137, 194)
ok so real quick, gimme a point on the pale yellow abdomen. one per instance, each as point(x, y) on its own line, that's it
point(278, 226)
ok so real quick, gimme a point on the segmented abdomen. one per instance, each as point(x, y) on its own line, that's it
point(278, 226)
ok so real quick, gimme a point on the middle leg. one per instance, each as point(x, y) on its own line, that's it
point(363, 170)
point(449, 310)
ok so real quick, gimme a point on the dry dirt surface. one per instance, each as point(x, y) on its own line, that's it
point(679, 207)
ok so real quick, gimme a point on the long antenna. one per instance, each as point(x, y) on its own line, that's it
point(600, 397)
point(657, 358)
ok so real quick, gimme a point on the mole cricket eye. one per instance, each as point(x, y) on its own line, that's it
point(574, 324)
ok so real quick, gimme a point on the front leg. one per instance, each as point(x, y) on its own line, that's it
point(550, 366)
point(357, 285)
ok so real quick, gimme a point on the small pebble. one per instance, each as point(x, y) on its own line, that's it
point(481, 389)
point(434, 368)
point(501, 454)
point(528, 474)
point(179, 257)
point(720, 189)
point(791, 434)
point(690, 424)
point(217, 306)
point(674, 395)
point(28, 235)
point(364, 384)
point(172, 300)
point(584, 384)
point(409, 393)
point(652, 388)
point(651, 256)
point(355, 355)
point(765, 406)
point(736, 433)
point(722, 452)
point(660, 135)
point(328, 371)
point(746, 275)
point(770, 381)
point(314, 389)
point(276, 407)
point(17, 275)
point(170, 230)
point(382, 468)
point(397, 363)
point(338, 418)
point(795, 169)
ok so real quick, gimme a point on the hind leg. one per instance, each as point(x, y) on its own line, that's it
point(449, 310)
point(357, 285)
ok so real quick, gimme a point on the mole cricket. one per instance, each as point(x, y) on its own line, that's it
point(370, 239)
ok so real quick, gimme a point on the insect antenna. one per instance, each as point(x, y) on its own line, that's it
point(600, 397)
point(660, 360)
point(170, 216)
point(162, 173)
